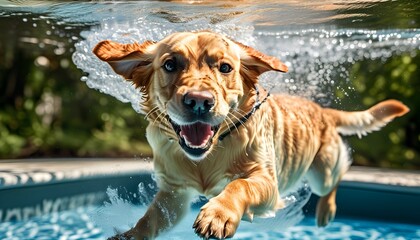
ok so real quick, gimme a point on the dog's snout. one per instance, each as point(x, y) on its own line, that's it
point(199, 102)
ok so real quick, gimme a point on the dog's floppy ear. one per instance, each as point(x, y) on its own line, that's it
point(254, 63)
point(128, 60)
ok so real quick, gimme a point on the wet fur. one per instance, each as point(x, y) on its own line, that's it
point(245, 174)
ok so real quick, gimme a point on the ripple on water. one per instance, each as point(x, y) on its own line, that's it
point(61, 225)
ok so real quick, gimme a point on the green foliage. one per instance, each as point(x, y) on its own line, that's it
point(398, 144)
point(50, 112)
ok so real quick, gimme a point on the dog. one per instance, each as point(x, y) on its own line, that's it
point(215, 131)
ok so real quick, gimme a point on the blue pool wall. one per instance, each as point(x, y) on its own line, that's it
point(355, 199)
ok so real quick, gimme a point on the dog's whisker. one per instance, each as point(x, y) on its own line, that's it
point(211, 153)
point(241, 115)
point(156, 118)
point(160, 118)
point(236, 126)
point(153, 110)
point(241, 112)
point(233, 123)
point(238, 119)
point(226, 122)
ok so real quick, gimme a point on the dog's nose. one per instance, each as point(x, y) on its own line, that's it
point(199, 102)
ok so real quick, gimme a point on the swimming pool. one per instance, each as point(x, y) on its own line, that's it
point(78, 225)
point(68, 204)
point(99, 195)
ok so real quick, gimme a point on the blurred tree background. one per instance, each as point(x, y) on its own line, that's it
point(46, 111)
point(398, 144)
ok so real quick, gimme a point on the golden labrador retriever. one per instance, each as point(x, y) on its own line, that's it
point(215, 131)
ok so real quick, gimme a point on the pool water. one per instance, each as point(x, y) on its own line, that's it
point(78, 224)
point(118, 214)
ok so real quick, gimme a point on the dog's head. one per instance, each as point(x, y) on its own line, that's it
point(199, 81)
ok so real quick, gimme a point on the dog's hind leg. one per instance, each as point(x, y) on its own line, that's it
point(327, 169)
point(326, 208)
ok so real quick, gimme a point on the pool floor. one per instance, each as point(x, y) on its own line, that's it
point(83, 224)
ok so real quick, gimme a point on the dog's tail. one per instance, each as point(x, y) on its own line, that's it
point(363, 122)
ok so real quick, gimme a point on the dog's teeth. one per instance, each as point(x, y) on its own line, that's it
point(195, 146)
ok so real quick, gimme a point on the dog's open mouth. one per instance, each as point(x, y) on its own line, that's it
point(196, 138)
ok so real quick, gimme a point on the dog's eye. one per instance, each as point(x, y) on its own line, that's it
point(169, 65)
point(225, 68)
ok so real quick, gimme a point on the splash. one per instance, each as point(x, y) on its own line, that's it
point(260, 228)
point(119, 214)
point(318, 59)
point(289, 216)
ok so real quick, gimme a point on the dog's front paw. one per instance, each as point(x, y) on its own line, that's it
point(216, 220)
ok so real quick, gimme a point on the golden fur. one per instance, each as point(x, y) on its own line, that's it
point(246, 173)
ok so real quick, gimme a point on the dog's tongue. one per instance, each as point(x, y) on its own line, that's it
point(197, 134)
